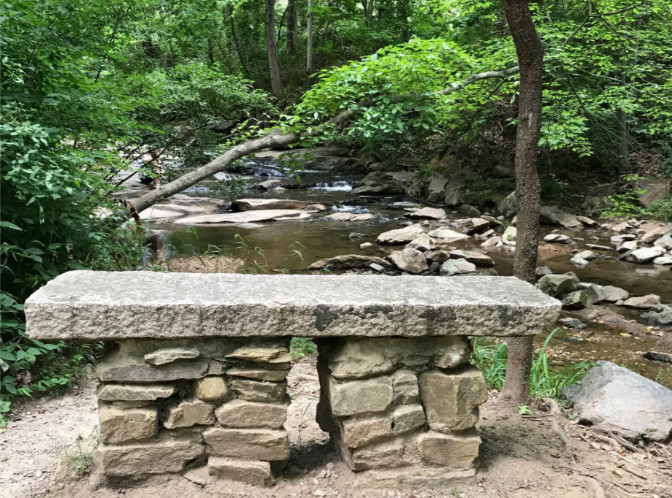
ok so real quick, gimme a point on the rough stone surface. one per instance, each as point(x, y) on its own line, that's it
point(258, 373)
point(349, 262)
point(241, 413)
point(409, 260)
point(557, 238)
point(400, 235)
point(405, 386)
point(457, 267)
point(166, 455)
point(509, 236)
point(350, 217)
point(254, 444)
point(261, 354)
point(451, 450)
point(211, 389)
point(131, 392)
point(614, 294)
point(615, 398)
point(642, 302)
point(189, 413)
point(252, 390)
point(183, 305)
point(645, 255)
point(659, 315)
point(240, 205)
point(361, 396)
point(169, 355)
point(663, 260)
point(555, 216)
point(665, 242)
point(445, 235)
point(127, 370)
point(244, 217)
point(254, 473)
point(121, 425)
point(427, 213)
point(406, 418)
point(477, 258)
point(422, 242)
point(507, 206)
point(361, 431)
point(452, 400)
point(575, 300)
point(558, 285)
point(387, 454)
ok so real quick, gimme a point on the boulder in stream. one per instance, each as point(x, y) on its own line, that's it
point(665, 242)
point(350, 217)
point(409, 260)
point(660, 314)
point(615, 294)
point(457, 267)
point(663, 260)
point(349, 262)
point(554, 216)
point(556, 285)
point(445, 235)
point(427, 213)
point(614, 398)
point(557, 238)
point(242, 205)
point(378, 182)
point(400, 235)
point(645, 255)
point(642, 302)
point(509, 236)
point(246, 217)
point(477, 258)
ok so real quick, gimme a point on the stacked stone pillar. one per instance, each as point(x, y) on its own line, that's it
point(403, 410)
point(167, 405)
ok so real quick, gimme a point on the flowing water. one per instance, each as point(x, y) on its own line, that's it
point(319, 238)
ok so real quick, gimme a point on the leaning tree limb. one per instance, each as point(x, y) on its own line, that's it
point(276, 140)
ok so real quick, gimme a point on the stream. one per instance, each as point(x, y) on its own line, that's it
point(319, 237)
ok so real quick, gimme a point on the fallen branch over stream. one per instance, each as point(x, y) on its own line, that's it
point(282, 140)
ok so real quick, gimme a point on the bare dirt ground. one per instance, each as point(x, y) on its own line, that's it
point(543, 454)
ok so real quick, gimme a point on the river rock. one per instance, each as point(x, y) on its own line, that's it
point(585, 221)
point(471, 226)
point(665, 242)
point(477, 258)
point(241, 205)
point(491, 242)
point(250, 472)
point(400, 235)
point(469, 210)
point(558, 285)
point(626, 245)
point(349, 262)
point(660, 314)
point(572, 323)
point(241, 413)
point(378, 182)
point(614, 398)
point(614, 294)
point(587, 255)
point(189, 413)
point(246, 217)
point(509, 236)
point(409, 260)
point(453, 194)
point(169, 355)
point(445, 235)
point(452, 400)
point(654, 233)
point(507, 206)
point(350, 217)
point(554, 216)
point(422, 242)
point(575, 300)
point(645, 254)
point(579, 261)
point(557, 238)
point(642, 302)
point(663, 260)
point(595, 293)
point(254, 444)
point(598, 247)
point(427, 213)
point(268, 185)
point(457, 267)
point(436, 188)
point(437, 256)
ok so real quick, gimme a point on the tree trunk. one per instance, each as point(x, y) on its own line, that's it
point(271, 47)
point(309, 32)
point(292, 27)
point(516, 389)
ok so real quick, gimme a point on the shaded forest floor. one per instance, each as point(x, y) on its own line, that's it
point(543, 454)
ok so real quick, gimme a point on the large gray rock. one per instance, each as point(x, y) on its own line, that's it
point(350, 217)
point(615, 398)
point(436, 188)
point(642, 302)
point(427, 213)
point(614, 294)
point(378, 182)
point(244, 217)
point(445, 235)
point(554, 216)
point(665, 242)
point(400, 235)
point(409, 260)
point(645, 255)
point(508, 205)
point(138, 305)
point(457, 267)
point(241, 205)
point(559, 285)
point(349, 262)
point(660, 314)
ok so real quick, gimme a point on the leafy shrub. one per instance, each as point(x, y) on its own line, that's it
point(626, 204)
point(662, 210)
point(302, 346)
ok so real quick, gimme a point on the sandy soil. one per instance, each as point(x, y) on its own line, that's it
point(543, 454)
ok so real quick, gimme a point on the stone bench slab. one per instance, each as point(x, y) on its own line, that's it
point(89, 306)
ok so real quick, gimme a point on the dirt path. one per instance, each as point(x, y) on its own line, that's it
point(537, 455)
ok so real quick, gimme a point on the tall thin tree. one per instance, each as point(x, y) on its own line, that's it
point(292, 26)
point(516, 389)
point(271, 47)
point(309, 33)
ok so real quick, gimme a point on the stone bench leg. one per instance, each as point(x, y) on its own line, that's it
point(167, 405)
point(402, 410)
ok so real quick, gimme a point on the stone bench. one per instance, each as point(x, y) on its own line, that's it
point(198, 372)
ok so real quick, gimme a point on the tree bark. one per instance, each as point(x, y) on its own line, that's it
point(292, 27)
point(223, 161)
point(309, 33)
point(272, 49)
point(516, 389)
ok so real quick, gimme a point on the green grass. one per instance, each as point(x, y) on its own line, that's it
point(545, 381)
point(302, 346)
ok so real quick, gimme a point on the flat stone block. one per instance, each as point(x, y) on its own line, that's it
point(360, 396)
point(252, 390)
point(406, 418)
point(261, 354)
point(115, 369)
point(189, 413)
point(156, 457)
point(211, 389)
point(451, 450)
point(180, 305)
point(119, 425)
point(358, 432)
point(387, 454)
point(240, 413)
point(253, 444)
point(452, 400)
point(131, 392)
point(254, 473)
point(169, 355)
point(258, 374)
